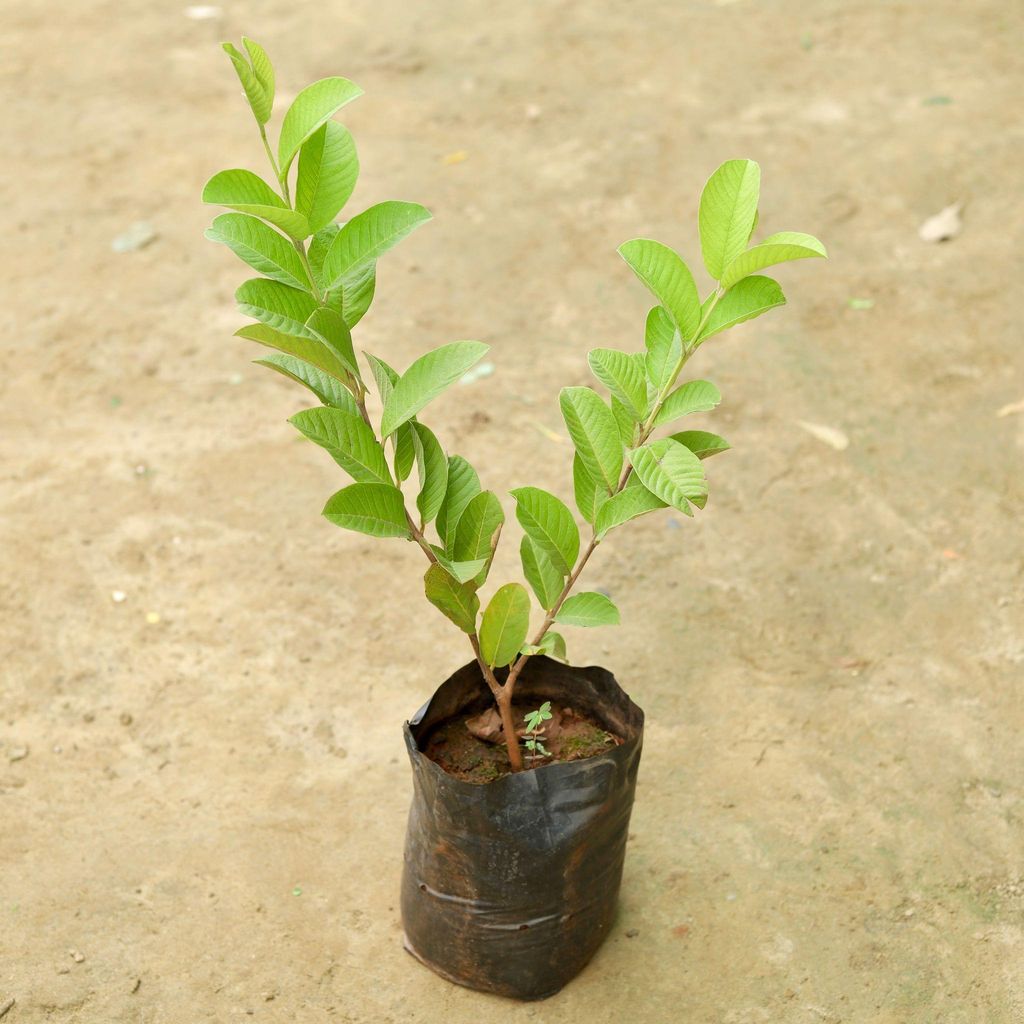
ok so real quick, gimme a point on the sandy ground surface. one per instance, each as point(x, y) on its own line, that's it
point(208, 809)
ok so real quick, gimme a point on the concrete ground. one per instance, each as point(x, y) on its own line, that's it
point(203, 786)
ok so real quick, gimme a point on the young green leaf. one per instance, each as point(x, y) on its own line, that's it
point(505, 622)
point(404, 442)
point(778, 248)
point(260, 101)
point(463, 486)
point(664, 348)
point(246, 192)
point(594, 433)
point(456, 600)
point(313, 106)
point(626, 423)
point(749, 298)
point(376, 509)
point(369, 235)
point(479, 523)
point(319, 246)
point(433, 469)
point(629, 503)
point(668, 278)
point(702, 443)
point(728, 206)
point(328, 168)
point(278, 306)
point(588, 609)
point(672, 472)
point(550, 525)
point(544, 579)
point(693, 396)
point(425, 379)
point(461, 572)
point(332, 330)
point(624, 375)
point(588, 493)
point(261, 67)
point(355, 290)
point(329, 390)
point(348, 440)
point(386, 377)
point(551, 643)
point(261, 247)
point(309, 350)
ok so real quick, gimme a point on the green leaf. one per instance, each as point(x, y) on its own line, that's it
point(386, 377)
point(261, 67)
point(376, 509)
point(260, 101)
point(456, 600)
point(588, 609)
point(544, 579)
point(241, 190)
point(595, 434)
point(693, 396)
point(463, 572)
point(333, 331)
point(478, 530)
point(702, 443)
point(749, 298)
point(672, 472)
point(629, 503)
point(463, 486)
point(328, 168)
point(664, 348)
point(261, 247)
point(433, 469)
point(777, 248)
point(589, 494)
point(625, 422)
point(728, 206)
point(504, 625)
point(356, 289)
point(278, 306)
point(551, 644)
point(404, 443)
point(325, 387)
point(370, 234)
point(624, 375)
point(319, 245)
point(309, 110)
point(425, 379)
point(348, 440)
point(309, 350)
point(668, 279)
point(550, 525)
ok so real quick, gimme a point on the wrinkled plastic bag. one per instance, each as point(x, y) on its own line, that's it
point(511, 886)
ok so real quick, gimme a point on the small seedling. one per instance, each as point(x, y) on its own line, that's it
point(316, 281)
point(534, 733)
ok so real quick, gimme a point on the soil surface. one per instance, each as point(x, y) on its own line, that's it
point(570, 735)
point(203, 785)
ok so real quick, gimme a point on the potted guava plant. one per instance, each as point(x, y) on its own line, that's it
point(524, 767)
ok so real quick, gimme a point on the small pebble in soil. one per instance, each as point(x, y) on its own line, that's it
point(17, 754)
point(126, 719)
point(76, 955)
point(632, 933)
point(117, 596)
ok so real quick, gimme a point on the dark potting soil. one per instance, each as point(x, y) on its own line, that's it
point(569, 736)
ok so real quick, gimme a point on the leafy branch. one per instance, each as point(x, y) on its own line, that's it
point(317, 279)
